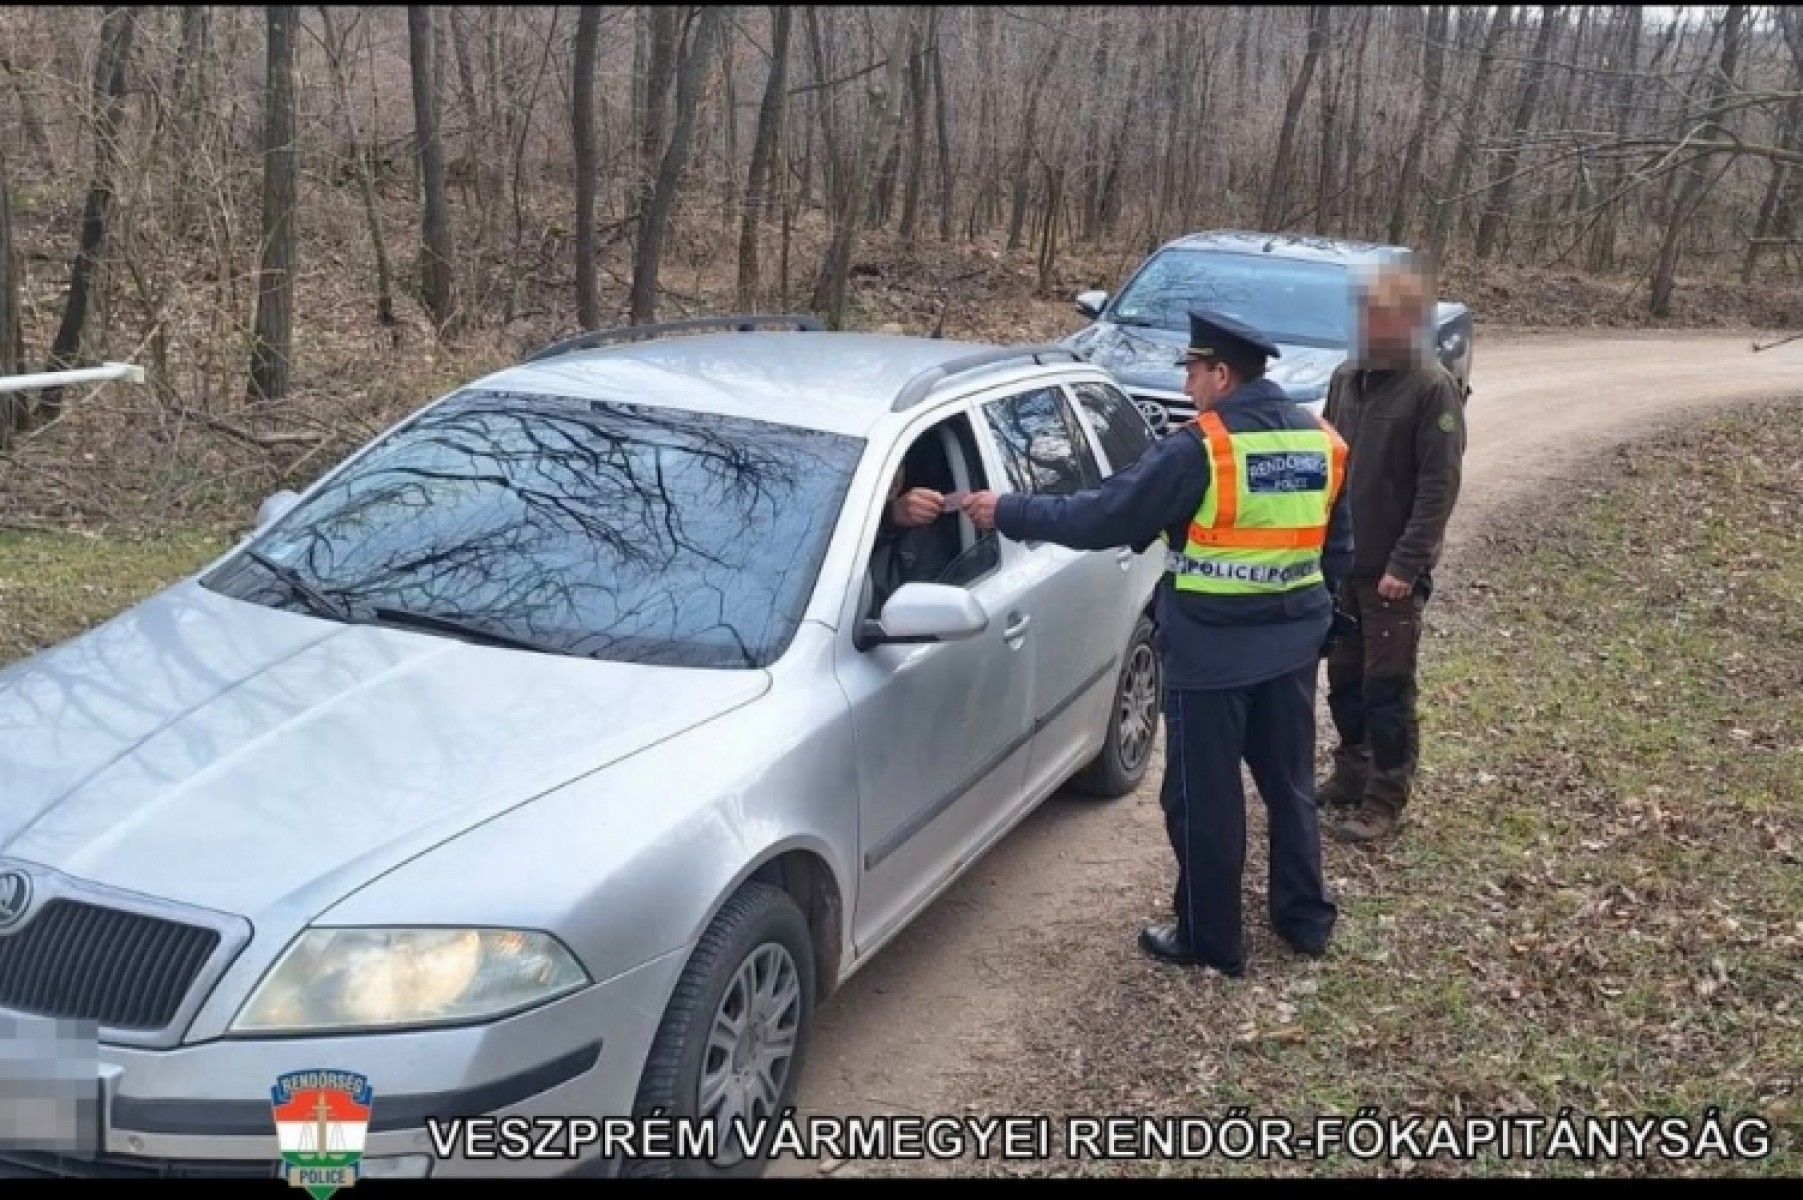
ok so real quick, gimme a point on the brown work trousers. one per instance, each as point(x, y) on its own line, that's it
point(1371, 690)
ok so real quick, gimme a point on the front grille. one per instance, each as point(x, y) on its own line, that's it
point(21, 1164)
point(80, 962)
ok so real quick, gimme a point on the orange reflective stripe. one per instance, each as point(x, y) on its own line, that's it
point(1226, 480)
point(1258, 539)
point(1336, 476)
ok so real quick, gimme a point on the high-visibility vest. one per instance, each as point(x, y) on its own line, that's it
point(1263, 521)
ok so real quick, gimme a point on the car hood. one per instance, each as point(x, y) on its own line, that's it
point(250, 760)
point(1146, 358)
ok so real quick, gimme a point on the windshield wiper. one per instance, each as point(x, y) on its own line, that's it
point(297, 583)
point(443, 624)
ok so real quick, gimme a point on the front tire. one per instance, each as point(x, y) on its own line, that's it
point(1127, 750)
point(736, 1030)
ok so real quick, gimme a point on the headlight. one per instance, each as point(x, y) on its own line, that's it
point(339, 979)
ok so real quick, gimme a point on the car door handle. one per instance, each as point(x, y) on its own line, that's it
point(1016, 627)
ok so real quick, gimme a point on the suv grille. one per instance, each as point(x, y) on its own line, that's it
point(81, 962)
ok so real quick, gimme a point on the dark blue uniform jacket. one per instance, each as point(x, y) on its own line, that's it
point(1206, 642)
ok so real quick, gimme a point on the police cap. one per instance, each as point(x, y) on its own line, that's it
point(1216, 337)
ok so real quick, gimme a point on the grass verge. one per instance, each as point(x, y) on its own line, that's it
point(1598, 901)
point(54, 585)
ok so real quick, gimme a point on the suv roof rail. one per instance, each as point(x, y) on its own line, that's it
point(744, 323)
point(922, 385)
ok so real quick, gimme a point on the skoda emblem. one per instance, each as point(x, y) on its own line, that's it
point(15, 897)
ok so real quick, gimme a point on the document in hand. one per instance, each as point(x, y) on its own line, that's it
point(954, 502)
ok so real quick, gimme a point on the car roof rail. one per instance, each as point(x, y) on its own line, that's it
point(743, 323)
point(921, 386)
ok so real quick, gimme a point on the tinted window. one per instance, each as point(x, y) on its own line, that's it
point(609, 530)
point(1119, 426)
point(1043, 448)
point(1305, 303)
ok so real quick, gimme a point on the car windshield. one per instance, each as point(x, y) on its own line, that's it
point(1301, 303)
point(599, 529)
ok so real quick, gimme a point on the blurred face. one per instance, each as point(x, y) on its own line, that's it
point(1391, 329)
point(1205, 382)
point(1393, 316)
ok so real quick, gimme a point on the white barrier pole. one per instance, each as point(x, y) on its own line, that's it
point(56, 379)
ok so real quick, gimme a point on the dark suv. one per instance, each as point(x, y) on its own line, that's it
point(1298, 290)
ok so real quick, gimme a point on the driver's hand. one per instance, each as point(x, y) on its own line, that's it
point(920, 506)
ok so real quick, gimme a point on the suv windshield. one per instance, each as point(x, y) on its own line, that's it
point(599, 529)
point(1301, 303)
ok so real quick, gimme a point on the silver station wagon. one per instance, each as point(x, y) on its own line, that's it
point(555, 754)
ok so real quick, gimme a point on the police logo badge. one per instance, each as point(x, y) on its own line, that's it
point(1447, 423)
point(321, 1117)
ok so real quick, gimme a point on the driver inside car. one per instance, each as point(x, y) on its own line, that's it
point(912, 546)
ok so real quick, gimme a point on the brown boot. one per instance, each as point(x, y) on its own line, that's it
point(1370, 823)
point(1345, 788)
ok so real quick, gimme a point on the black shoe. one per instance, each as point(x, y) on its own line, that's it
point(1306, 949)
point(1162, 942)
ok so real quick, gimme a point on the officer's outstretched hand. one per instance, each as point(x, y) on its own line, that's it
point(980, 508)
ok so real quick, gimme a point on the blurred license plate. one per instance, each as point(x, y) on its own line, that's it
point(51, 1097)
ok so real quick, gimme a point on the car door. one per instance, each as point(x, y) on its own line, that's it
point(1077, 596)
point(1122, 434)
point(943, 731)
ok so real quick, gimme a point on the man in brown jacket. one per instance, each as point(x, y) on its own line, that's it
point(1402, 416)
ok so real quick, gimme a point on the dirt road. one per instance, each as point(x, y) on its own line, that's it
point(982, 962)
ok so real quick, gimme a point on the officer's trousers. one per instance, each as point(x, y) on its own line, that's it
point(1269, 726)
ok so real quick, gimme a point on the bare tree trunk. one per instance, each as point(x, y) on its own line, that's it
point(666, 26)
point(1319, 18)
point(190, 104)
point(335, 48)
point(1089, 197)
point(1426, 120)
point(1354, 160)
point(663, 196)
point(1665, 271)
point(12, 333)
point(832, 285)
point(1496, 210)
point(272, 345)
point(763, 150)
point(1790, 135)
point(109, 112)
point(28, 115)
point(833, 165)
point(1333, 75)
point(1600, 255)
point(1110, 186)
point(1448, 205)
point(588, 169)
point(917, 135)
point(729, 125)
point(438, 275)
point(1029, 135)
point(942, 129)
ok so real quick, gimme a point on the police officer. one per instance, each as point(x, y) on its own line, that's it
point(1248, 502)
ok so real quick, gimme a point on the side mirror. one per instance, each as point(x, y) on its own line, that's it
point(920, 613)
point(1090, 303)
point(276, 507)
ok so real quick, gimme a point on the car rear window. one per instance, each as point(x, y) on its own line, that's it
point(608, 530)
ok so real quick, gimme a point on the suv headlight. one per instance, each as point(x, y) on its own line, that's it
point(349, 979)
